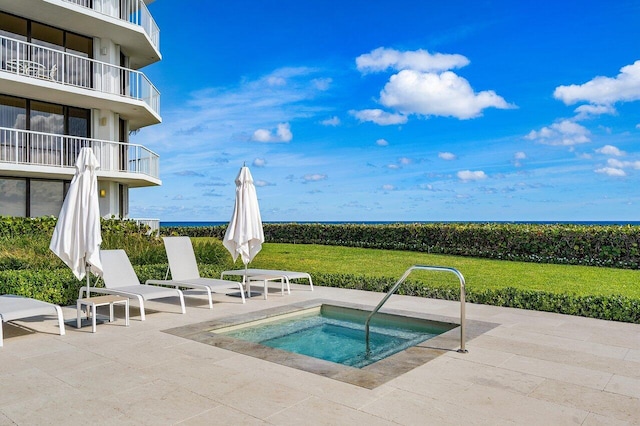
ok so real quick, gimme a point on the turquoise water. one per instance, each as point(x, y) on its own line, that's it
point(337, 334)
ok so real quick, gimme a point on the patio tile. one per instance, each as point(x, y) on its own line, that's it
point(624, 386)
point(558, 355)
point(559, 371)
point(619, 407)
point(24, 384)
point(592, 348)
point(598, 420)
point(409, 408)
point(4, 420)
point(317, 411)
point(633, 355)
point(261, 399)
point(68, 407)
point(222, 415)
point(159, 402)
point(105, 378)
point(506, 405)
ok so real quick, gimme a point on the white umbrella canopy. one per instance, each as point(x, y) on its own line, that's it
point(244, 236)
point(76, 237)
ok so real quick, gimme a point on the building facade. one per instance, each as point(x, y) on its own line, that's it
point(69, 78)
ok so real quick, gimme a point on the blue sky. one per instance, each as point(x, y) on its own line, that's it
point(405, 110)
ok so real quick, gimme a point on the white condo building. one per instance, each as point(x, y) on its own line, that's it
point(69, 78)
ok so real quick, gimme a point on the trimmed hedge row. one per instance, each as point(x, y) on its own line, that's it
point(590, 245)
point(612, 308)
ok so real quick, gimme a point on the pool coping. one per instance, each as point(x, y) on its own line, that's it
point(368, 377)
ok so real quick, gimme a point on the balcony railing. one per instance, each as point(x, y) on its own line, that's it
point(134, 11)
point(31, 60)
point(47, 149)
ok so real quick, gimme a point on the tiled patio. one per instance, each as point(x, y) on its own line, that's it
point(531, 368)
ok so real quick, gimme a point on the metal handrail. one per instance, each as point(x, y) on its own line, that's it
point(403, 278)
point(133, 11)
point(35, 61)
point(49, 149)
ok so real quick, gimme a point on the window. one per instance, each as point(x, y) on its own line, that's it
point(13, 197)
point(46, 197)
point(24, 197)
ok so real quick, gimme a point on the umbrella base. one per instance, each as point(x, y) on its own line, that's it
point(85, 322)
point(246, 294)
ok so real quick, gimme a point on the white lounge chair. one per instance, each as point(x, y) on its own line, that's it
point(14, 307)
point(120, 278)
point(260, 274)
point(185, 273)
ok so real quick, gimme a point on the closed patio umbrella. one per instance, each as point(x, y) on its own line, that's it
point(244, 236)
point(76, 237)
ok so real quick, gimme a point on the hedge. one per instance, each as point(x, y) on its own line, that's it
point(589, 245)
point(612, 308)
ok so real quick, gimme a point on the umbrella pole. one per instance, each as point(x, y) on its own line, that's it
point(246, 282)
point(86, 270)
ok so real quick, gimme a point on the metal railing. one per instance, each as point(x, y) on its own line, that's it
point(48, 149)
point(403, 278)
point(153, 224)
point(31, 60)
point(133, 11)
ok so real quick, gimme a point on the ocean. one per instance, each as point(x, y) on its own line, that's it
point(549, 222)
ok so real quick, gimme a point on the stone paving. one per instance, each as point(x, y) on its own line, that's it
point(527, 368)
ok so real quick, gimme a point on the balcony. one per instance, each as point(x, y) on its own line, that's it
point(28, 153)
point(35, 65)
point(133, 11)
point(127, 23)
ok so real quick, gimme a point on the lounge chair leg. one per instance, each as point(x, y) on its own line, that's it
point(310, 283)
point(141, 304)
point(184, 311)
point(242, 293)
point(60, 322)
point(1, 339)
point(210, 299)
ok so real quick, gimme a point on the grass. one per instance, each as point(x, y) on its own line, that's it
point(479, 273)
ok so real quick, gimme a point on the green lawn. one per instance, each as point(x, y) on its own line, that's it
point(479, 273)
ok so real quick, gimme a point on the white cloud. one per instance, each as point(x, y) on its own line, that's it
point(382, 59)
point(601, 90)
point(565, 133)
point(517, 157)
point(333, 121)
point(448, 156)
point(468, 175)
point(282, 134)
point(405, 161)
point(262, 183)
point(259, 162)
point(388, 187)
point(611, 171)
point(611, 150)
point(314, 177)
point(445, 94)
point(379, 116)
point(613, 162)
point(587, 111)
point(393, 166)
point(382, 142)
point(322, 84)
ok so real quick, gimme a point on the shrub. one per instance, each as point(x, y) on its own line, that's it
point(615, 246)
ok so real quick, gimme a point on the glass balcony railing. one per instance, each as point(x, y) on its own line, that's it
point(134, 11)
point(48, 149)
point(31, 60)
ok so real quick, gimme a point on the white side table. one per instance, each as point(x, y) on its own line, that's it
point(93, 302)
point(265, 279)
